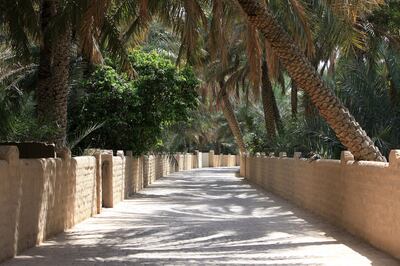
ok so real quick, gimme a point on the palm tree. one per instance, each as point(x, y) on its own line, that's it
point(230, 117)
point(269, 103)
point(218, 88)
point(32, 26)
point(53, 73)
point(231, 38)
point(348, 131)
point(52, 27)
point(228, 19)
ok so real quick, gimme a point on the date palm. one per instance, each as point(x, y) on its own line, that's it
point(231, 118)
point(218, 89)
point(53, 73)
point(269, 103)
point(231, 38)
point(348, 131)
point(58, 27)
point(262, 65)
point(49, 24)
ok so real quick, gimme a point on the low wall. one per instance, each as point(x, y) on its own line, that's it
point(137, 181)
point(205, 162)
point(222, 160)
point(362, 197)
point(42, 197)
point(118, 179)
point(186, 161)
point(84, 175)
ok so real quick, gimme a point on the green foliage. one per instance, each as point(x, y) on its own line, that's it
point(18, 118)
point(302, 135)
point(134, 112)
point(162, 40)
point(369, 86)
point(387, 17)
point(204, 131)
point(152, 111)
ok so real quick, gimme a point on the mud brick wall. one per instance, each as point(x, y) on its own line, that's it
point(362, 197)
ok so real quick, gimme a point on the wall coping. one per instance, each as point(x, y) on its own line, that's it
point(347, 159)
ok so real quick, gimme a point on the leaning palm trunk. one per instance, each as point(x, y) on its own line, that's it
point(52, 87)
point(348, 131)
point(230, 117)
point(267, 95)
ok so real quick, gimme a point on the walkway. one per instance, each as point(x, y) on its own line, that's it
point(205, 216)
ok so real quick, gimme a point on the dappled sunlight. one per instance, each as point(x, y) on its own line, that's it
point(197, 217)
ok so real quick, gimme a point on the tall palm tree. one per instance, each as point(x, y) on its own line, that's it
point(53, 73)
point(234, 45)
point(48, 24)
point(268, 101)
point(219, 87)
point(348, 131)
point(230, 117)
point(57, 26)
point(263, 68)
point(223, 68)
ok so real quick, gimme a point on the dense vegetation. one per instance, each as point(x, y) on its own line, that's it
point(132, 114)
point(69, 75)
point(366, 79)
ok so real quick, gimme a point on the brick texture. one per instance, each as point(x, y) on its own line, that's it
point(362, 197)
point(118, 179)
point(42, 197)
point(222, 160)
point(84, 173)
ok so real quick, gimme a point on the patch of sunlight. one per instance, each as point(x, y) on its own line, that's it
point(236, 209)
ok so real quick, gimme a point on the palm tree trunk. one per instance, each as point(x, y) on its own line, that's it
point(61, 61)
point(348, 131)
point(294, 99)
point(230, 117)
point(267, 101)
point(44, 73)
point(278, 119)
point(52, 87)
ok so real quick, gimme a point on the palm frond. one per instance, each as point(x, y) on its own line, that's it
point(82, 134)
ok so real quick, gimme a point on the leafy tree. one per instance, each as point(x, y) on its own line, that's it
point(135, 112)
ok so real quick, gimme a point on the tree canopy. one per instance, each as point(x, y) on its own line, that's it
point(320, 70)
point(134, 112)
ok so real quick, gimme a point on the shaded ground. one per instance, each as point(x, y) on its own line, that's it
point(205, 216)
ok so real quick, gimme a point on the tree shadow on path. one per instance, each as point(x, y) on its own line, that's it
point(205, 216)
